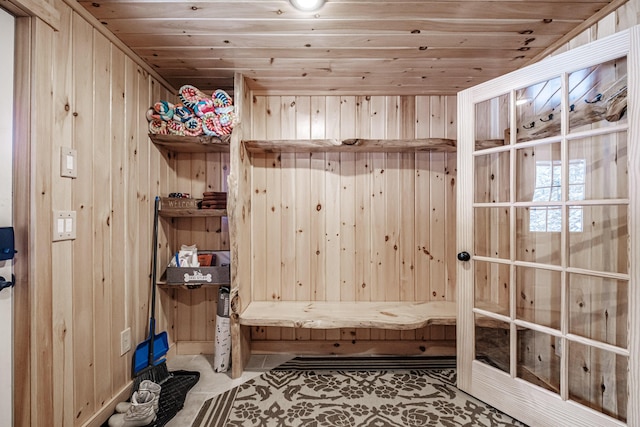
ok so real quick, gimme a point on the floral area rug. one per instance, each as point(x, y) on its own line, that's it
point(352, 392)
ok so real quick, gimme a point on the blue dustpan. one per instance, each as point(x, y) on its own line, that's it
point(151, 351)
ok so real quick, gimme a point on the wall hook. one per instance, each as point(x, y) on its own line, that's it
point(531, 125)
point(549, 119)
point(598, 98)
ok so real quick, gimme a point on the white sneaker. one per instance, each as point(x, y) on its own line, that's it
point(145, 385)
point(155, 389)
point(140, 413)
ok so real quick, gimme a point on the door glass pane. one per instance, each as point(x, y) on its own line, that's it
point(492, 287)
point(492, 232)
point(539, 359)
point(492, 342)
point(538, 296)
point(492, 174)
point(598, 379)
point(538, 110)
point(539, 174)
point(492, 122)
point(538, 234)
point(598, 96)
point(598, 308)
point(602, 243)
point(598, 167)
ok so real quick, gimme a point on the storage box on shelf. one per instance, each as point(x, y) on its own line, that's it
point(195, 277)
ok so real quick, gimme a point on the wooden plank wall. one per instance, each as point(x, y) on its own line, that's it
point(79, 90)
point(353, 227)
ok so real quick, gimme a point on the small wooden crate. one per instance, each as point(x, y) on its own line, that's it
point(218, 274)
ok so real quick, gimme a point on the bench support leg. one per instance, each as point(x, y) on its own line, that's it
point(240, 347)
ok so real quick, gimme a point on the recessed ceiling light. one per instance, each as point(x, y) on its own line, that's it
point(307, 5)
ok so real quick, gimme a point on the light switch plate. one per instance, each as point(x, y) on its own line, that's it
point(64, 225)
point(68, 162)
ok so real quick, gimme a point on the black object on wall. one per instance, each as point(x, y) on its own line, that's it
point(7, 244)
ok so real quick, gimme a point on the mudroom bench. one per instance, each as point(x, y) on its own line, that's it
point(357, 314)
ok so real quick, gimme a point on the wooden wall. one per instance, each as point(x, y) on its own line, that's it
point(77, 89)
point(353, 227)
point(626, 16)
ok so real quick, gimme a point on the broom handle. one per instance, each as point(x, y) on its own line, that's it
point(154, 267)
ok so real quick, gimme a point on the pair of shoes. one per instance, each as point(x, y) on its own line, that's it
point(140, 413)
point(145, 385)
point(142, 410)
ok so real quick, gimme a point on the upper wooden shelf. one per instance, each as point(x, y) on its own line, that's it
point(171, 207)
point(351, 145)
point(205, 144)
point(191, 213)
point(360, 314)
point(490, 143)
point(192, 144)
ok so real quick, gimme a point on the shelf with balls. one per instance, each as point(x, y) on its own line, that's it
point(198, 123)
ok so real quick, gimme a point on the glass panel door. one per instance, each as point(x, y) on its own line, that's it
point(547, 294)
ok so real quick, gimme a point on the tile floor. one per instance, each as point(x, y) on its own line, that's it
point(212, 383)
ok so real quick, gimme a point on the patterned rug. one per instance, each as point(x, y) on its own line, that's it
point(351, 392)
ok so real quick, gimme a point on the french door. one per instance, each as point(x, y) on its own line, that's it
point(548, 233)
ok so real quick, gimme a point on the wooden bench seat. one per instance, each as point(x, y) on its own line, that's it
point(360, 314)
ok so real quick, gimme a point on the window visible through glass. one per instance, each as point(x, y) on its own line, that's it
point(549, 189)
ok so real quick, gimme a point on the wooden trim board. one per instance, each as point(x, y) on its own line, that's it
point(339, 347)
point(42, 9)
point(105, 412)
point(355, 347)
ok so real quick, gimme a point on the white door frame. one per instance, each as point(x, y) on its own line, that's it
point(504, 391)
point(7, 49)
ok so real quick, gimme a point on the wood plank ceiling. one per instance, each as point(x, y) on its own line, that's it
point(347, 47)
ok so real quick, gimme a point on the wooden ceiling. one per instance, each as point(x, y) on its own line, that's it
point(347, 47)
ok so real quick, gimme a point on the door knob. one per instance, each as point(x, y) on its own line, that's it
point(464, 256)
